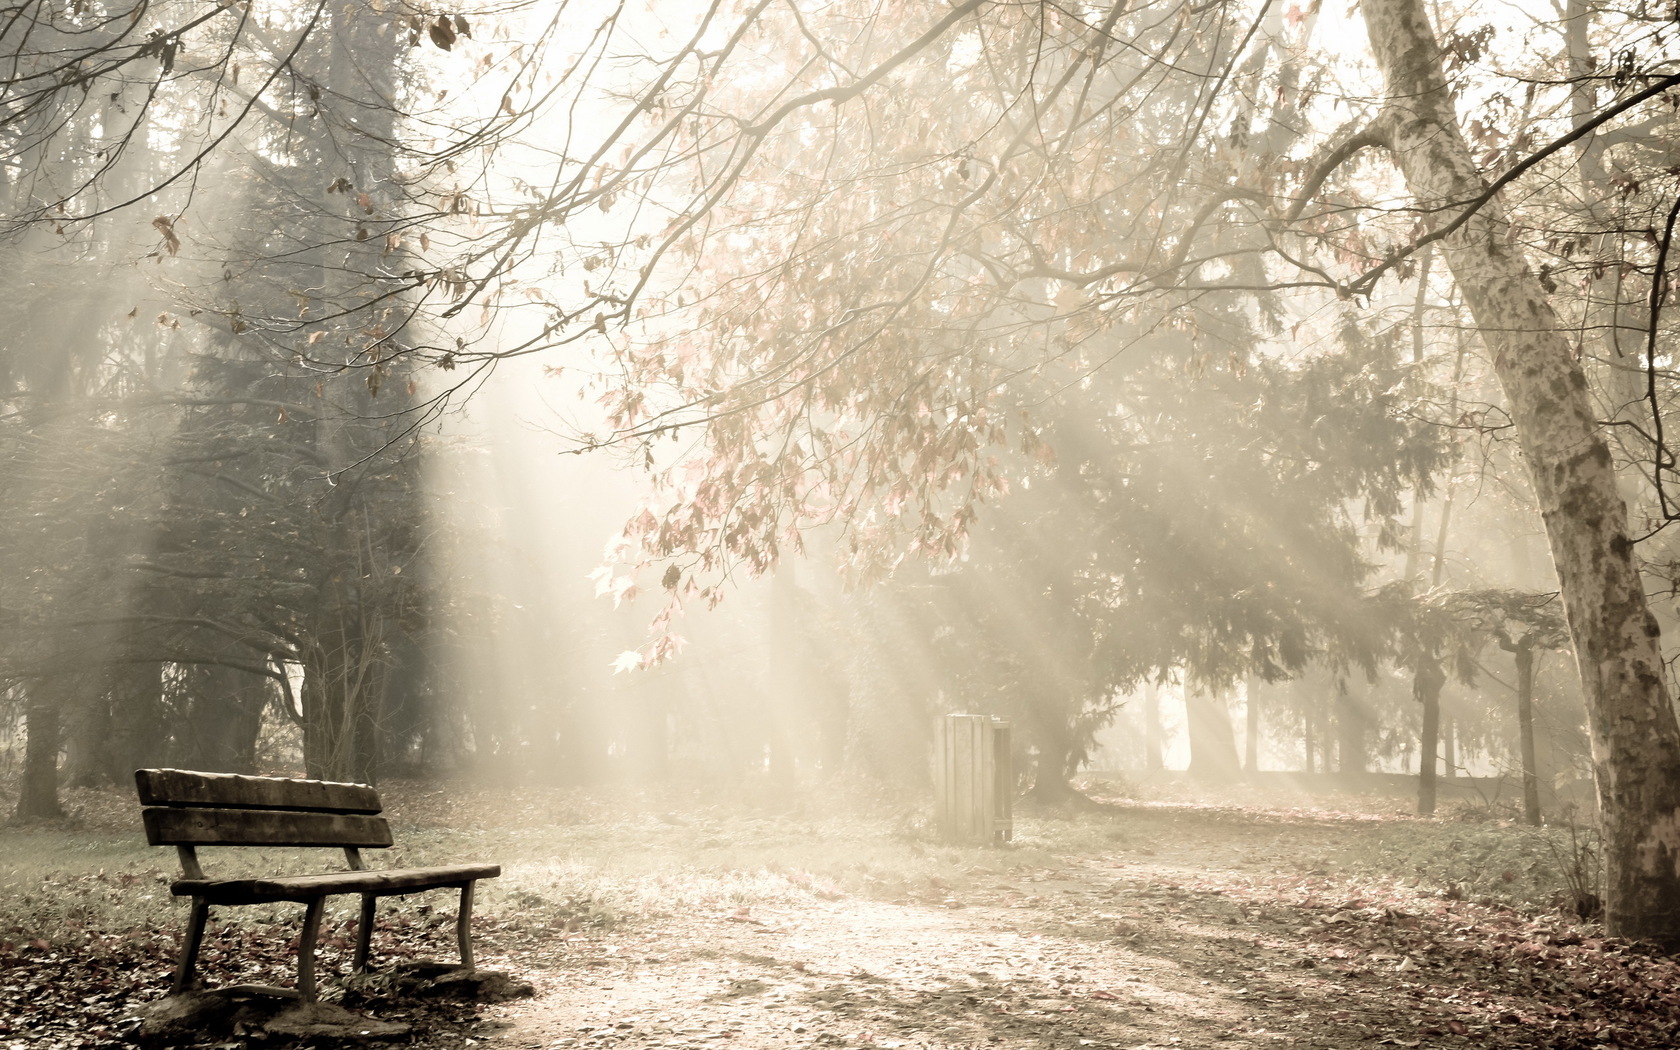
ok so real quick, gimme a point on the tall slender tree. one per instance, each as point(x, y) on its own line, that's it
point(1635, 735)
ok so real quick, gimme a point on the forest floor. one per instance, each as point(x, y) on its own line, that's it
point(1141, 922)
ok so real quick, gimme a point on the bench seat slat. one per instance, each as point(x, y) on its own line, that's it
point(263, 827)
point(181, 787)
point(308, 887)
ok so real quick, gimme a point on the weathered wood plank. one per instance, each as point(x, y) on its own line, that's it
point(188, 809)
point(974, 778)
point(262, 827)
point(310, 887)
point(1003, 794)
point(180, 787)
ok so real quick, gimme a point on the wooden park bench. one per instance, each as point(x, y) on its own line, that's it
point(187, 810)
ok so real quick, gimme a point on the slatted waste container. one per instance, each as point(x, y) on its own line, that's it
point(974, 779)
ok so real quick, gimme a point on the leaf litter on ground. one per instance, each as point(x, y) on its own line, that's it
point(1141, 921)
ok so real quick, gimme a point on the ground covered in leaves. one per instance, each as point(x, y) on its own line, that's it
point(1151, 920)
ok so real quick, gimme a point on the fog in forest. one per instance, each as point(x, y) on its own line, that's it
point(718, 396)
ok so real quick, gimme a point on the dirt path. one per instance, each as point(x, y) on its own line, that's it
point(1228, 929)
point(1194, 944)
point(861, 972)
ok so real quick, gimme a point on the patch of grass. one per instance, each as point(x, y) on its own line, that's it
point(56, 885)
point(570, 863)
point(1493, 863)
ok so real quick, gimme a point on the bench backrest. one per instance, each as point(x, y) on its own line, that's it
point(189, 809)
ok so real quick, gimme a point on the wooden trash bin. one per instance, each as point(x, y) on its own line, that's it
point(974, 779)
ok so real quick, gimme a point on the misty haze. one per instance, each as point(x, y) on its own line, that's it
point(835, 524)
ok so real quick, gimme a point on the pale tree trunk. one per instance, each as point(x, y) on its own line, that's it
point(1636, 742)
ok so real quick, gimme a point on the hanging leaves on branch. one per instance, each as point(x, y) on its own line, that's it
point(447, 29)
point(166, 226)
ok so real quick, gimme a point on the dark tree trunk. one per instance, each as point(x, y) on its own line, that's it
point(223, 716)
point(1056, 754)
point(319, 759)
point(1525, 731)
point(367, 704)
point(87, 740)
point(1426, 690)
point(38, 791)
point(139, 728)
point(119, 728)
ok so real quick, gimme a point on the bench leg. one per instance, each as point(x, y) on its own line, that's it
point(188, 962)
point(463, 924)
point(364, 933)
point(306, 949)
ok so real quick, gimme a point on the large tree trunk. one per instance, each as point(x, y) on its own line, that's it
point(1056, 752)
point(139, 729)
point(223, 717)
point(38, 789)
point(1636, 741)
point(86, 734)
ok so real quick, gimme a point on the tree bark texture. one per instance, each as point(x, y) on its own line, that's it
point(86, 735)
point(343, 700)
point(1426, 690)
point(38, 790)
point(1057, 748)
point(1525, 731)
point(1636, 742)
point(220, 719)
